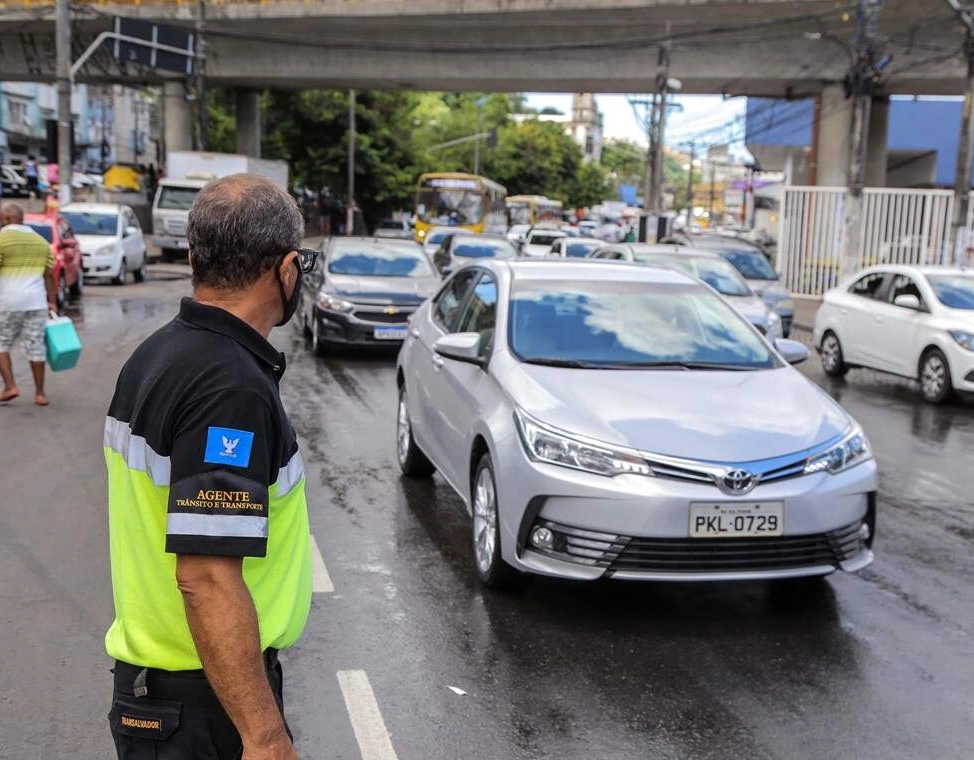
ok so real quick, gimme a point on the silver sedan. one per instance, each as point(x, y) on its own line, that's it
point(624, 421)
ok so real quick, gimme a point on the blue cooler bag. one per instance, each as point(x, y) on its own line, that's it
point(63, 343)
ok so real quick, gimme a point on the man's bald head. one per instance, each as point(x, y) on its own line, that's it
point(238, 227)
point(11, 213)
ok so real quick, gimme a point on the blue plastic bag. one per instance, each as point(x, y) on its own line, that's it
point(63, 343)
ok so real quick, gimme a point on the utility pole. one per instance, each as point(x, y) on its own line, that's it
point(349, 206)
point(860, 84)
point(201, 116)
point(481, 101)
point(693, 157)
point(713, 190)
point(653, 198)
point(64, 127)
point(962, 177)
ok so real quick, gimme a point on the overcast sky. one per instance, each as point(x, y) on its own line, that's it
point(700, 113)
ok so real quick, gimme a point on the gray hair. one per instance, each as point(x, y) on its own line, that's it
point(238, 227)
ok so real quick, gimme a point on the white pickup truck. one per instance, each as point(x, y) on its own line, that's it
point(186, 173)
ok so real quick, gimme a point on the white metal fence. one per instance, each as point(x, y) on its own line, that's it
point(897, 227)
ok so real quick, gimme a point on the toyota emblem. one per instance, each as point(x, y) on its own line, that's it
point(738, 482)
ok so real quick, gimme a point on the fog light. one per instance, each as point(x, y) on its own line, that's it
point(864, 532)
point(542, 538)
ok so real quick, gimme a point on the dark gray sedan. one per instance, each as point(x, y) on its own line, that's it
point(363, 291)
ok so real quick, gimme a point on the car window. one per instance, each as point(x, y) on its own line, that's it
point(544, 238)
point(868, 286)
point(446, 308)
point(955, 291)
point(579, 250)
point(903, 286)
point(378, 261)
point(751, 264)
point(85, 223)
point(480, 315)
point(44, 230)
point(470, 247)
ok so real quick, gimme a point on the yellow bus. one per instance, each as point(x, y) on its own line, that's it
point(453, 199)
point(531, 209)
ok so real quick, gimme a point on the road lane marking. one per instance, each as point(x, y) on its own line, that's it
point(370, 730)
point(320, 580)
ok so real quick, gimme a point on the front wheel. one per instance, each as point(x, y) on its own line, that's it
point(412, 461)
point(142, 273)
point(62, 292)
point(78, 288)
point(935, 383)
point(833, 361)
point(492, 570)
point(122, 275)
point(318, 347)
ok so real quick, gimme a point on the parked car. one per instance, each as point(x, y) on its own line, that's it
point(395, 229)
point(458, 250)
point(12, 182)
point(917, 322)
point(68, 274)
point(539, 240)
point(436, 236)
point(362, 291)
point(575, 247)
point(751, 261)
point(620, 421)
point(111, 240)
point(710, 268)
point(517, 232)
point(588, 228)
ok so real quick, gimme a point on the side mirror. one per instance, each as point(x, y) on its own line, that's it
point(131, 230)
point(907, 301)
point(461, 347)
point(446, 271)
point(792, 351)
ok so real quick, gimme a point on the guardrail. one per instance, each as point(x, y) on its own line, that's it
point(898, 226)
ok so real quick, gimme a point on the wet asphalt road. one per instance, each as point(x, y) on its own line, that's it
point(878, 665)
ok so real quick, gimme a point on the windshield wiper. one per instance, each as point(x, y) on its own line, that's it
point(677, 365)
point(569, 363)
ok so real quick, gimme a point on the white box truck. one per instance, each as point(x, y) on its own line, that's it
point(186, 173)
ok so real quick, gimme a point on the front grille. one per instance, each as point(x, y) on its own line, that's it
point(176, 226)
point(619, 553)
point(715, 555)
point(379, 316)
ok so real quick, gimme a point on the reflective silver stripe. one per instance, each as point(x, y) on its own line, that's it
point(220, 526)
point(290, 475)
point(138, 455)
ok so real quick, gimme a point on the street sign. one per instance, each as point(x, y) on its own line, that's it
point(158, 47)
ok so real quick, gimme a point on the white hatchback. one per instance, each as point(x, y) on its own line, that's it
point(913, 321)
point(111, 240)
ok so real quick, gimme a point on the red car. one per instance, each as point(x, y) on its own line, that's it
point(67, 254)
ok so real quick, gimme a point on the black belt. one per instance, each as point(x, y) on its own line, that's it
point(139, 675)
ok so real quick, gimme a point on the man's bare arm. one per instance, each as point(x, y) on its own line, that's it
point(51, 287)
point(223, 622)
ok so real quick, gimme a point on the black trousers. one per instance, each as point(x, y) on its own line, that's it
point(176, 715)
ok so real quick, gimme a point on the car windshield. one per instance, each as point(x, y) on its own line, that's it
point(630, 324)
point(716, 272)
point(544, 238)
point(519, 213)
point(177, 198)
point(92, 224)
point(751, 264)
point(437, 237)
point(451, 203)
point(44, 230)
point(379, 262)
point(580, 250)
point(483, 249)
point(955, 291)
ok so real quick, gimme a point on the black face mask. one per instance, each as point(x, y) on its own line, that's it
point(289, 305)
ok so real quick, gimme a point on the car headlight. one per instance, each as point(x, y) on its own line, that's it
point(105, 250)
point(546, 444)
point(774, 325)
point(420, 234)
point(331, 302)
point(853, 449)
point(964, 339)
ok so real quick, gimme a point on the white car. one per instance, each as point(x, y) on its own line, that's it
point(539, 240)
point(517, 232)
point(111, 240)
point(913, 321)
point(435, 237)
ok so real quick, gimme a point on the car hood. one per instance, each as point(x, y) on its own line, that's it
point(704, 415)
point(398, 290)
point(752, 308)
point(92, 243)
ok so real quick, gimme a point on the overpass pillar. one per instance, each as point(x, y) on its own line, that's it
point(834, 130)
point(248, 123)
point(177, 117)
point(876, 149)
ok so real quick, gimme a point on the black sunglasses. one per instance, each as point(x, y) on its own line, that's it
point(307, 257)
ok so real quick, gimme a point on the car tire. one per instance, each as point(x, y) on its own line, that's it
point(318, 347)
point(413, 462)
point(491, 568)
point(305, 328)
point(934, 377)
point(78, 289)
point(833, 361)
point(142, 273)
point(122, 275)
point(62, 292)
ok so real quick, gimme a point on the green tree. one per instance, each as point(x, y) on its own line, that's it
point(591, 186)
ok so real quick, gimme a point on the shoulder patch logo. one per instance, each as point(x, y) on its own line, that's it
point(228, 446)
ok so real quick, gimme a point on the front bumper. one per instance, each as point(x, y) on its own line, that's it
point(635, 527)
point(961, 363)
point(105, 265)
point(373, 328)
point(170, 242)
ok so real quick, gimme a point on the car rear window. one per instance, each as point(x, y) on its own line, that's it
point(44, 230)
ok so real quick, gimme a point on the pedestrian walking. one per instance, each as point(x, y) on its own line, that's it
point(208, 524)
point(27, 295)
point(31, 174)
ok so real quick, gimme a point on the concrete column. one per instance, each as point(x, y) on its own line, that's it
point(876, 153)
point(248, 123)
point(177, 118)
point(834, 129)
